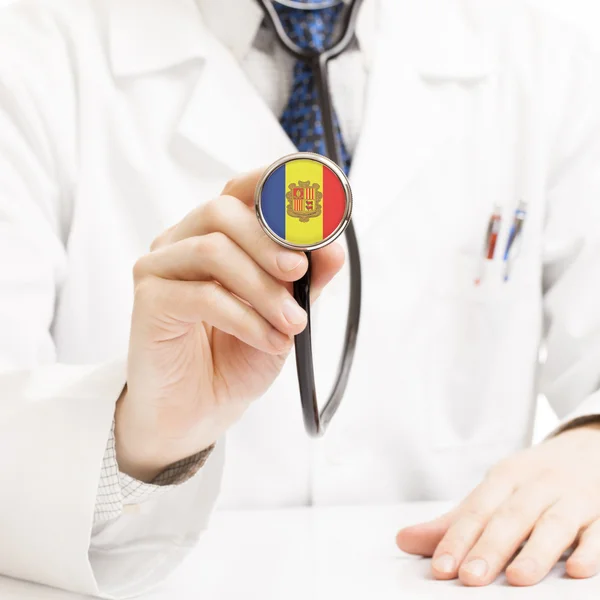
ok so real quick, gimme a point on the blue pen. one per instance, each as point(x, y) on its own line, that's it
point(514, 238)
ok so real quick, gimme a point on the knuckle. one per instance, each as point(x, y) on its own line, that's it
point(141, 268)
point(548, 486)
point(508, 512)
point(227, 202)
point(549, 477)
point(157, 242)
point(230, 186)
point(558, 519)
point(215, 243)
point(456, 538)
point(220, 214)
point(162, 239)
point(501, 470)
point(263, 243)
point(211, 214)
point(247, 319)
point(196, 245)
point(211, 293)
point(147, 292)
point(208, 246)
point(475, 515)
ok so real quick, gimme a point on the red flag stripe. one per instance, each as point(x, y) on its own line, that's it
point(334, 202)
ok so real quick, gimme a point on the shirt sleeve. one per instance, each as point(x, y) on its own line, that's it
point(117, 490)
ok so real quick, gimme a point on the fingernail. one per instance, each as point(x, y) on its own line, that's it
point(477, 568)
point(292, 312)
point(278, 340)
point(444, 564)
point(526, 566)
point(288, 261)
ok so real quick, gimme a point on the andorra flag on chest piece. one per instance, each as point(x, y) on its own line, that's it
point(304, 201)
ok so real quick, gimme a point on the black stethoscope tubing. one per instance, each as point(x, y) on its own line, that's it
point(316, 421)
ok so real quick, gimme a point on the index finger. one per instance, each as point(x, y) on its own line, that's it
point(241, 187)
point(471, 519)
point(246, 232)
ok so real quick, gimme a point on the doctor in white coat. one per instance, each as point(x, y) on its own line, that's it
point(124, 126)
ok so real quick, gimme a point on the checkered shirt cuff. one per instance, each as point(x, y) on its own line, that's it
point(116, 489)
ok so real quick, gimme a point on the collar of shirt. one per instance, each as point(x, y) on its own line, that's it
point(169, 32)
point(236, 23)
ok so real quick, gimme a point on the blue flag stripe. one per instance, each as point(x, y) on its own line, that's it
point(273, 201)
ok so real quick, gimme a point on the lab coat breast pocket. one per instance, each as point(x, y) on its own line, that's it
point(483, 344)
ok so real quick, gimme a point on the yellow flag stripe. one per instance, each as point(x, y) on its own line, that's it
point(295, 231)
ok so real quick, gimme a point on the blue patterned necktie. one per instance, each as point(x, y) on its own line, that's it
point(302, 119)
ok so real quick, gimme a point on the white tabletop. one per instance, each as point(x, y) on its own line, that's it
point(318, 554)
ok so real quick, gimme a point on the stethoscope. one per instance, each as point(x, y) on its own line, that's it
point(316, 420)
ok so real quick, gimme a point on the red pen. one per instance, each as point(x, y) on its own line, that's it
point(491, 239)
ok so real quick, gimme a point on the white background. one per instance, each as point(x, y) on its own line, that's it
point(584, 14)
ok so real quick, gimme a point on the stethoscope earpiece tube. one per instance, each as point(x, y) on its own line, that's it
point(301, 193)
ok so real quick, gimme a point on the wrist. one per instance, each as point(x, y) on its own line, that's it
point(142, 451)
point(135, 454)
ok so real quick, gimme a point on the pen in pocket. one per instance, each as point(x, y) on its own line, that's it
point(491, 239)
point(513, 243)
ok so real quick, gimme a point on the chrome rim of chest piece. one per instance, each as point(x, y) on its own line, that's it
point(303, 201)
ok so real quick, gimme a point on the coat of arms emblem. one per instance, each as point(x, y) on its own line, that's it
point(304, 200)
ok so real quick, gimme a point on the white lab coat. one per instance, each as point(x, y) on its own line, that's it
point(118, 117)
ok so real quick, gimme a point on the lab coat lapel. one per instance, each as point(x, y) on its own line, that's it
point(226, 119)
point(154, 36)
point(409, 117)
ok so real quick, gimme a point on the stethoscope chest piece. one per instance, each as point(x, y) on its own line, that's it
point(304, 201)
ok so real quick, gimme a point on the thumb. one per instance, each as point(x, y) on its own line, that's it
point(422, 539)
